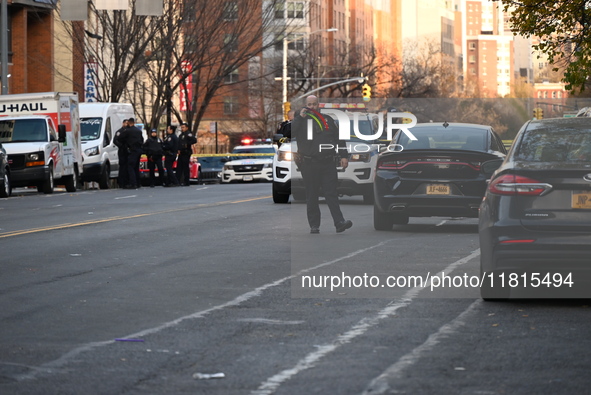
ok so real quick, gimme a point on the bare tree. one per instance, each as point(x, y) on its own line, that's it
point(424, 72)
point(195, 48)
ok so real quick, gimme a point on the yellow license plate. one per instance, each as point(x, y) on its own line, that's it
point(581, 200)
point(438, 189)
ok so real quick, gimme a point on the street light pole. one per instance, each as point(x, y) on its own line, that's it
point(284, 74)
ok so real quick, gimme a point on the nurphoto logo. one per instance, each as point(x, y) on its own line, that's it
point(345, 128)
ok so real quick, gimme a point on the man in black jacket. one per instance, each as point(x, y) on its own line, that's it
point(317, 162)
point(170, 147)
point(122, 155)
point(132, 138)
point(153, 150)
point(186, 141)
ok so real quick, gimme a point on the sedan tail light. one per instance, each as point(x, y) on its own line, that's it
point(511, 184)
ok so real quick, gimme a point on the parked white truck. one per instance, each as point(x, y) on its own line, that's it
point(98, 124)
point(41, 135)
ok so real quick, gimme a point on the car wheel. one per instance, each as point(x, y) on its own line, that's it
point(48, 185)
point(489, 293)
point(368, 197)
point(381, 220)
point(5, 188)
point(279, 197)
point(72, 182)
point(105, 177)
point(298, 195)
point(400, 219)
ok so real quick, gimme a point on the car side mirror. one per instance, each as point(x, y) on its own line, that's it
point(489, 167)
point(61, 133)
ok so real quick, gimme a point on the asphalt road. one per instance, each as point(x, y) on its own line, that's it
point(149, 291)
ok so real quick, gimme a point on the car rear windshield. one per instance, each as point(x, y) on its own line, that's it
point(439, 137)
point(23, 130)
point(555, 143)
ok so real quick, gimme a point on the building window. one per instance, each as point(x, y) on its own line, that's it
point(296, 42)
point(473, 71)
point(230, 105)
point(232, 77)
point(230, 10)
point(472, 46)
point(295, 9)
point(472, 58)
point(279, 10)
point(553, 94)
point(230, 43)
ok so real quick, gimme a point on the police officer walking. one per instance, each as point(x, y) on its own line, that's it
point(133, 139)
point(153, 150)
point(318, 164)
point(170, 147)
point(186, 141)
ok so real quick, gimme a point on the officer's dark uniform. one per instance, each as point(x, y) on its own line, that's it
point(318, 165)
point(133, 139)
point(186, 140)
point(170, 147)
point(122, 155)
point(153, 150)
point(285, 130)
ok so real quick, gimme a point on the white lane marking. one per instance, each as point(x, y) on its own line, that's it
point(380, 385)
point(51, 366)
point(270, 322)
point(125, 197)
point(273, 383)
point(441, 223)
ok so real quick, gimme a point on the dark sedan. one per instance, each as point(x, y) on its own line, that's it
point(210, 168)
point(438, 174)
point(535, 219)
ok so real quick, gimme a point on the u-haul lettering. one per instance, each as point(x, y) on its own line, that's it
point(21, 107)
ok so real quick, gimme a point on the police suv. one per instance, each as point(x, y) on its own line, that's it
point(249, 163)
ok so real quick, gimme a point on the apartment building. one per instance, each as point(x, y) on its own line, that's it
point(489, 66)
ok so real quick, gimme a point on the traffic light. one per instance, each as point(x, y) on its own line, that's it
point(366, 92)
point(538, 113)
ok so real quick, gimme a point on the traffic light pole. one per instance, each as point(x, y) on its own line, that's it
point(358, 79)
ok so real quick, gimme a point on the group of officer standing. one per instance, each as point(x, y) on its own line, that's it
point(130, 141)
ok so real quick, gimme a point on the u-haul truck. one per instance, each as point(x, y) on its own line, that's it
point(41, 135)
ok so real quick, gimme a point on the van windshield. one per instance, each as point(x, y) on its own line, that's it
point(23, 130)
point(90, 128)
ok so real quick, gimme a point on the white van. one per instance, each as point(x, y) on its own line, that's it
point(98, 124)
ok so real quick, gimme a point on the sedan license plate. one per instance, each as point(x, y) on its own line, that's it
point(247, 178)
point(581, 200)
point(438, 189)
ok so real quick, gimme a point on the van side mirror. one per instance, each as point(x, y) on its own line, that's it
point(490, 166)
point(61, 133)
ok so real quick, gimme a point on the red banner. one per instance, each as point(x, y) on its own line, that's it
point(186, 86)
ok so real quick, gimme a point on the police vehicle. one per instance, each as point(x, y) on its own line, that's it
point(249, 163)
